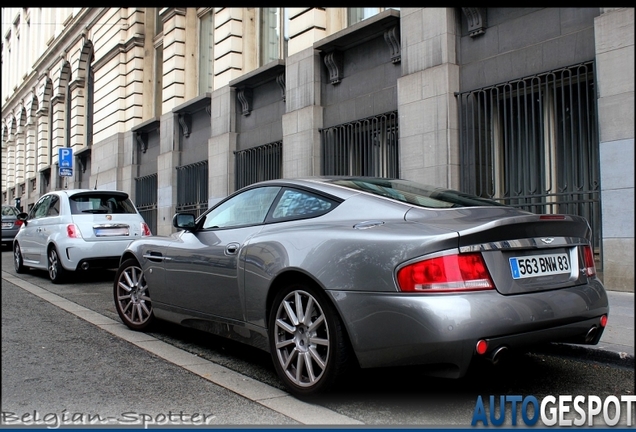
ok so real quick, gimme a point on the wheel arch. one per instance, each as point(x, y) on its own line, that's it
point(62, 255)
point(295, 276)
point(128, 255)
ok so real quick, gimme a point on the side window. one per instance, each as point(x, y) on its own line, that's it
point(54, 206)
point(247, 208)
point(300, 204)
point(40, 209)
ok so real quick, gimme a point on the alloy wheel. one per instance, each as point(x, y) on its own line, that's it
point(56, 271)
point(132, 297)
point(301, 338)
point(18, 263)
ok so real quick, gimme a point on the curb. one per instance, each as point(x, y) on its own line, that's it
point(620, 359)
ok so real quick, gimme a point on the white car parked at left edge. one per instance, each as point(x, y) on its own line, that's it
point(73, 229)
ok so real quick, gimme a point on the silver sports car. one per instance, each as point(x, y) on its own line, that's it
point(328, 272)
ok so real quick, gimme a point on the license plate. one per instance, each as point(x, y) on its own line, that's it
point(107, 232)
point(7, 224)
point(539, 265)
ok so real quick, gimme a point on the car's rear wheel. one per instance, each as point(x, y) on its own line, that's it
point(307, 340)
point(57, 273)
point(18, 262)
point(132, 299)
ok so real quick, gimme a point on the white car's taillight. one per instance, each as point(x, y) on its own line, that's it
point(450, 273)
point(72, 231)
point(145, 229)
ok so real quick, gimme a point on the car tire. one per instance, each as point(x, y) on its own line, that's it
point(57, 273)
point(308, 343)
point(132, 299)
point(18, 261)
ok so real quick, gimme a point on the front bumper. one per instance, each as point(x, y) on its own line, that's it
point(395, 329)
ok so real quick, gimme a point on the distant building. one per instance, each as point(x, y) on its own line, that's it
point(182, 106)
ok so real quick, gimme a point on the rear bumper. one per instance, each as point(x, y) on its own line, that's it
point(442, 331)
point(9, 235)
point(103, 254)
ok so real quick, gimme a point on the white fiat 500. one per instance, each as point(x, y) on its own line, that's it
point(76, 229)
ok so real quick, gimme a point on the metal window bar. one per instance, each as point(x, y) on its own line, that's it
point(146, 199)
point(192, 188)
point(367, 147)
point(533, 143)
point(258, 164)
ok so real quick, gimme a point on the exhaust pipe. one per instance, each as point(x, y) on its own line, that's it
point(84, 265)
point(591, 334)
point(498, 354)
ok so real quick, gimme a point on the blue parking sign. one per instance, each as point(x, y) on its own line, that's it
point(65, 157)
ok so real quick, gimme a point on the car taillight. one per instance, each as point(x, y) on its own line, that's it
point(588, 261)
point(450, 273)
point(145, 229)
point(72, 231)
point(18, 222)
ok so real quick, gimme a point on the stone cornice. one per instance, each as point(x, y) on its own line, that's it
point(135, 41)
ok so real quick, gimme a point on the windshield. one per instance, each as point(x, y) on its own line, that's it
point(413, 193)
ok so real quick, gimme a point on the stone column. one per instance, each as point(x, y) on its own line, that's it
point(173, 58)
point(30, 144)
point(222, 144)
point(10, 163)
point(58, 128)
point(43, 156)
point(303, 118)
point(614, 37)
point(429, 134)
point(20, 154)
point(167, 161)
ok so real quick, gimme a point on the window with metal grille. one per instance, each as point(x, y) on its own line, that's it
point(533, 143)
point(192, 188)
point(146, 199)
point(367, 147)
point(258, 164)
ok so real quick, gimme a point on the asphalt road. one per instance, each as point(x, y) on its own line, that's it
point(53, 361)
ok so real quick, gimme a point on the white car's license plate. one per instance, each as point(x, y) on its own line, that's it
point(539, 265)
point(107, 232)
point(7, 224)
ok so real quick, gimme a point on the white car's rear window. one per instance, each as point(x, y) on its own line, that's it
point(101, 203)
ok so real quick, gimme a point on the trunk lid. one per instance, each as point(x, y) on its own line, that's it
point(524, 252)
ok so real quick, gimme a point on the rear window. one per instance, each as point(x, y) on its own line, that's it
point(101, 203)
point(9, 211)
point(414, 193)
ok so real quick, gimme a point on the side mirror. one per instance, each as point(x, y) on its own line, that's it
point(184, 221)
point(23, 217)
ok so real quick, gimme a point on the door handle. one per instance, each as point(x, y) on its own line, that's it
point(155, 256)
point(232, 248)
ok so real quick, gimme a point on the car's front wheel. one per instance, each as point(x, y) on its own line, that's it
point(307, 340)
point(18, 262)
point(57, 273)
point(132, 299)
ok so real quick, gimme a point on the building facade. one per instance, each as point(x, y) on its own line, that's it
point(182, 106)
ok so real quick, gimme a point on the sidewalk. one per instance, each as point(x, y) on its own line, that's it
point(619, 333)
